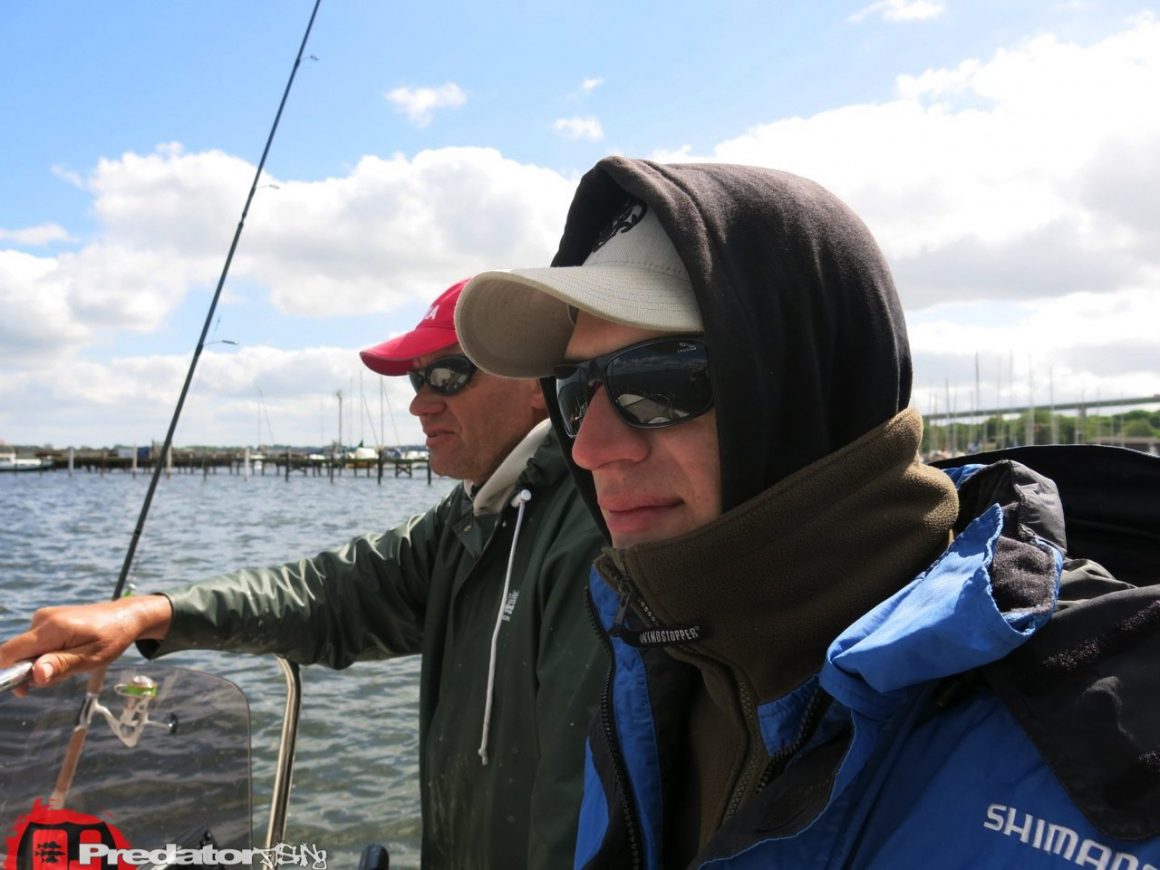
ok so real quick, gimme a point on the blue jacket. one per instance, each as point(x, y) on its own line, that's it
point(934, 733)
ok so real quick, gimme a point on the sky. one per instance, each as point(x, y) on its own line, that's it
point(1003, 153)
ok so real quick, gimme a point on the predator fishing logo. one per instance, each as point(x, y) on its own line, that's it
point(48, 839)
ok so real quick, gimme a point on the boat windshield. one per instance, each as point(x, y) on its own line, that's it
point(185, 780)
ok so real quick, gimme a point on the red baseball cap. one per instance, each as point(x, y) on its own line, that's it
point(435, 331)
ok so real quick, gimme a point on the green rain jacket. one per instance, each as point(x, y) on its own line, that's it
point(433, 586)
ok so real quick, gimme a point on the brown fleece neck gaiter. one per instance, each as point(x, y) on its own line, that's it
point(777, 578)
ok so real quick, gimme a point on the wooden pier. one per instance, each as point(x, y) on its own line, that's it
point(231, 461)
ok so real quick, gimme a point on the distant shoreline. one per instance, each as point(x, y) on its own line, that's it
point(399, 459)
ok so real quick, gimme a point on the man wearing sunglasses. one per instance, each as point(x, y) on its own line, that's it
point(823, 652)
point(488, 586)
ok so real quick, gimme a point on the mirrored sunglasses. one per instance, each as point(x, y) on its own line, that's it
point(656, 383)
point(446, 376)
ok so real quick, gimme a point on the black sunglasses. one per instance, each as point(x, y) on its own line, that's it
point(656, 383)
point(446, 376)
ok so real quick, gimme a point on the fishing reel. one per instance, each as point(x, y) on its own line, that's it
point(138, 693)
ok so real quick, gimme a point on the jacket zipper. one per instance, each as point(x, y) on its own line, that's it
point(748, 714)
point(816, 708)
point(607, 726)
point(628, 595)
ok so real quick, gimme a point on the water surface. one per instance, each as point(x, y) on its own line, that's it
point(63, 539)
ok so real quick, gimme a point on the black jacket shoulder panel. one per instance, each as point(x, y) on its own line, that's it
point(1084, 688)
point(1111, 502)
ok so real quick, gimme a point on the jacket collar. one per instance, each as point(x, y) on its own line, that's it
point(494, 494)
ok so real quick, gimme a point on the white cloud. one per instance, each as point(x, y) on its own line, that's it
point(900, 10)
point(394, 228)
point(1079, 346)
point(419, 103)
point(69, 176)
point(378, 238)
point(589, 85)
point(165, 222)
point(579, 128)
point(1018, 185)
point(32, 286)
point(1017, 177)
point(291, 392)
point(385, 235)
point(42, 234)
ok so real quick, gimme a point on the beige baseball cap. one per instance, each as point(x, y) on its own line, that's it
point(517, 323)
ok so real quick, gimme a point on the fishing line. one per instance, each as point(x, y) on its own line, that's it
point(97, 678)
point(168, 442)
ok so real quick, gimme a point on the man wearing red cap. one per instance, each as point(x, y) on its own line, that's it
point(469, 431)
point(488, 586)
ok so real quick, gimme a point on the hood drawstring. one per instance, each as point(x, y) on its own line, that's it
point(519, 501)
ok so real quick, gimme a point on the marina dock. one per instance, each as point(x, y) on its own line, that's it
point(230, 461)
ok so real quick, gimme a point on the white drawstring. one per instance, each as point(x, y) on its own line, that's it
point(519, 501)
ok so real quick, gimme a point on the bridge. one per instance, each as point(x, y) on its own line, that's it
point(950, 432)
point(1081, 407)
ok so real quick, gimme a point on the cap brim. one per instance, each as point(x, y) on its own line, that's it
point(395, 356)
point(516, 323)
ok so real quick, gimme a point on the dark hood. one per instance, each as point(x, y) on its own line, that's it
point(806, 337)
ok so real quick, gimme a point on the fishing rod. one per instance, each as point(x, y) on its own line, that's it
point(97, 678)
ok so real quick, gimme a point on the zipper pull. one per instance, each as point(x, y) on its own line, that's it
point(609, 567)
point(658, 636)
point(653, 635)
point(618, 628)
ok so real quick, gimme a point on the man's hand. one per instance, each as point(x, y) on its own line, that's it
point(76, 638)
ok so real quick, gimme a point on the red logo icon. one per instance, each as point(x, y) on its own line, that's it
point(48, 839)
